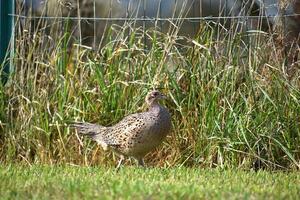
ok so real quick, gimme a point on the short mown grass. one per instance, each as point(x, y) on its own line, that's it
point(70, 182)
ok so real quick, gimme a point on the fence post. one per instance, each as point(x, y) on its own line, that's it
point(6, 38)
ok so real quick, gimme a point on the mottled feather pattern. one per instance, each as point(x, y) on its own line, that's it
point(136, 134)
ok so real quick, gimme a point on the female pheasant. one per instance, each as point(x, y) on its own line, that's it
point(135, 135)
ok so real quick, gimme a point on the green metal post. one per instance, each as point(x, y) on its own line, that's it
point(6, 37)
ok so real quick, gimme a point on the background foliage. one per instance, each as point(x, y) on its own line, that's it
point(231, 100)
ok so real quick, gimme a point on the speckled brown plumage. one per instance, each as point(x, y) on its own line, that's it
point(135, 135)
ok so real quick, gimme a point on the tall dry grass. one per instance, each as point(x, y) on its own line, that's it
point(231, 102)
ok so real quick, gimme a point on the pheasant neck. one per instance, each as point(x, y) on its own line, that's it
point(154, 107)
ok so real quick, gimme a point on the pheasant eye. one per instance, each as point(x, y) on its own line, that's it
point(155, 94)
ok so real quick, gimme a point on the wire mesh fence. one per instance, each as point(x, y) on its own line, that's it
point(89, 20)
point(92, 24)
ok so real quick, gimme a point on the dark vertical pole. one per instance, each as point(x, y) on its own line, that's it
point(6, 36)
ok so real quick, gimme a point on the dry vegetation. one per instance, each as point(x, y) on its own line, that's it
point(232, 104)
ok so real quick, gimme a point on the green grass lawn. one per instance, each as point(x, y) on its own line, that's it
point(57, 182)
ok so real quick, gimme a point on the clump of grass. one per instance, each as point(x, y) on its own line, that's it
point(232, 104)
